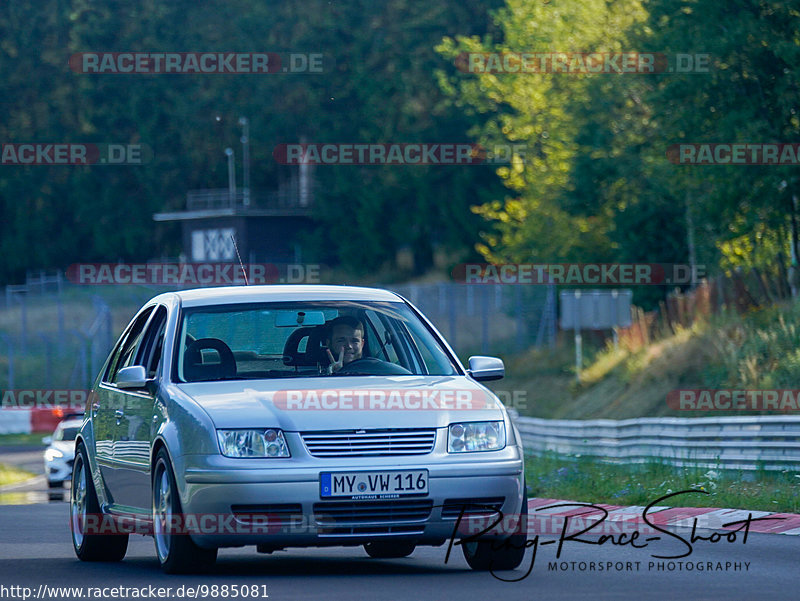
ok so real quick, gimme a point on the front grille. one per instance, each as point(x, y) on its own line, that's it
point(267, 514)
point(360, 443)
point(473, 507)
point(353, 518)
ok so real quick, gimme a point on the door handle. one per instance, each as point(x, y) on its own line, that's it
point(119, 414)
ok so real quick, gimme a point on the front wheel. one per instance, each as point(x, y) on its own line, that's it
point(498, 554)
point(84, 510)
point(176, 551)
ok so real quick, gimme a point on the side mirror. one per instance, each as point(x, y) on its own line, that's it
point(131, 377)
point(47, 440)
point(486, 368)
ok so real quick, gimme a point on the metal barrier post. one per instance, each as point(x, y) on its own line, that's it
point(485, 320)
point(518, 317)
point(48, 363)
point(452, 319)
point(10, 345)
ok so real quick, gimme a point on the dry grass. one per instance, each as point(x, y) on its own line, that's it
point(758, 350)
point(12, 475)
point(617, 384)
point(638, 386)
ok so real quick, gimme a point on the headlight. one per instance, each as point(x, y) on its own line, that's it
point(476, 436)
point(51, 454)
point(252, 443)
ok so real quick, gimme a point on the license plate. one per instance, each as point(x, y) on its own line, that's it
point(373, 485)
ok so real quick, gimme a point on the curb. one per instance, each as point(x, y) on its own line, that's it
point(546, 519)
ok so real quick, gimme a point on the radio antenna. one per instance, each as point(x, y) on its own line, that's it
point(238, 256)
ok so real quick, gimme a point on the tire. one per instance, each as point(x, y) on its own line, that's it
point(82, 504)
point(177, 553)
point(499, 554)
point(389, 549)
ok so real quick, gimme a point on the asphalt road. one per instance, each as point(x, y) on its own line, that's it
point(23, 456)
point(35, 550)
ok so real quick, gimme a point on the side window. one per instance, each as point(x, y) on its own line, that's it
point(115, 354)
point(379, 339)
point(435, 360)
point(125, 353)
point(431, 365)
point(114, 358)
point(149, 353)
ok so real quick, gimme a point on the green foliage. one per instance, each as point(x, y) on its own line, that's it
point(598, 185)
point(377, 86)
point(759, 351)
point(594, 184)
point(556, 117)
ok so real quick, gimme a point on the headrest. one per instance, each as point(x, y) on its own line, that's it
point(313, 353)
point(195, 370)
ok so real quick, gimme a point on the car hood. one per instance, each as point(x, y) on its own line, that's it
point(345, 403)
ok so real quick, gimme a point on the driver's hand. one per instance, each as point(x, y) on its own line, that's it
point(336, 365)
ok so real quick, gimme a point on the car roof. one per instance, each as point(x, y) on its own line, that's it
point(252, 294)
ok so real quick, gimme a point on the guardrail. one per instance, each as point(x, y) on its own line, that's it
point(737, 442)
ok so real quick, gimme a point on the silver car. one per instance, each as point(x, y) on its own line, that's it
point(293, 416)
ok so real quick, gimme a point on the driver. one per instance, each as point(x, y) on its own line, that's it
point(346, 340)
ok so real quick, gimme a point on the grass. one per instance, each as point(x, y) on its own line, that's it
point(12, 475)
point(541, 382)
point(15, 498)
point(556, 477)
point(33, 439)
point(757, 350)
point(50, 351)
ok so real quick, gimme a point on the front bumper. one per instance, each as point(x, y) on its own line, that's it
point(278, 508)
point(58, 470)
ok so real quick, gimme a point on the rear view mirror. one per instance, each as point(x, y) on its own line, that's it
point(486, 368)
point(293, 319)
point(131, 377)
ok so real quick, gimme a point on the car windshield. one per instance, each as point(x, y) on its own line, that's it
point(66, 433)
point(286, 340)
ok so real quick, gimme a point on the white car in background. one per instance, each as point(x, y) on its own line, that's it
point(60, 453)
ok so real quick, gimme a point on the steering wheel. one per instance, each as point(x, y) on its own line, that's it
point(374, 367)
